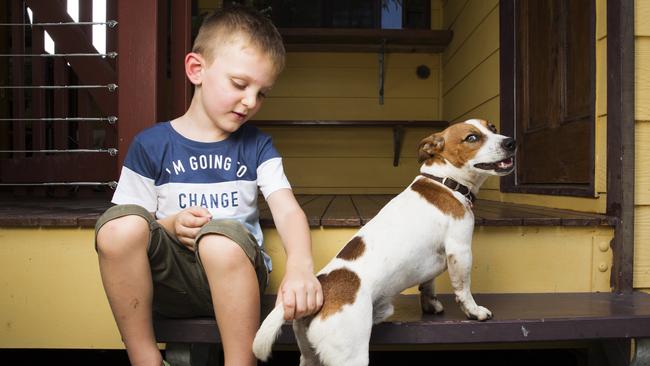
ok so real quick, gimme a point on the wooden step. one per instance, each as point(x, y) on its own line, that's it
point(517, 318)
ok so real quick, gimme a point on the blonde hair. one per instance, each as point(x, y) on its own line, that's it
point(232, 21)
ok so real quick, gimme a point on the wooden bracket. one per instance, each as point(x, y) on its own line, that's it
point(398, 137)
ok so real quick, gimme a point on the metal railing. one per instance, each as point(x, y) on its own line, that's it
point(24, 127)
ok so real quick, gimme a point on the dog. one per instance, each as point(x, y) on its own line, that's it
point(420, 233)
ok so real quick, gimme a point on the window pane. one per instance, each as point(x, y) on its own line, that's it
point(352, 13)
point(341, 13)
point(417, 14)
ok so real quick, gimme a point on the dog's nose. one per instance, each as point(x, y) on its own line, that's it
point(509, 144)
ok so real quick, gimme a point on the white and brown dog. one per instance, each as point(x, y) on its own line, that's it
point(421, 232)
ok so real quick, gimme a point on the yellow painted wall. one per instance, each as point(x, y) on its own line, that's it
point(642, 145)
point(344, 86)
point(51, 294)
point(506, 259)
point(470, 88)
point(50, 291)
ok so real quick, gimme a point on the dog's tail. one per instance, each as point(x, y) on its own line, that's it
point(268, 333)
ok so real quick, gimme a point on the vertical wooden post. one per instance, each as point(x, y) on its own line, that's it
point(181, 42)
point(137, 67)
point(620, 138)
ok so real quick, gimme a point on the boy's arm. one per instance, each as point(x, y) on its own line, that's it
point(300, 292)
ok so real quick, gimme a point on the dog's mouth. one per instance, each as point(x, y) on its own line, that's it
point(502, 166)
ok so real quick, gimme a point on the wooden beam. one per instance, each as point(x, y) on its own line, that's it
point(137, 65)
point(620, 138)
point(365, 40)
point(181, 44)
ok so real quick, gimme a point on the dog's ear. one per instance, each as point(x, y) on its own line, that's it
point(430, 146)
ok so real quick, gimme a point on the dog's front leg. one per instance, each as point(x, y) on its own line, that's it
point(459, 266)
point(428, 300)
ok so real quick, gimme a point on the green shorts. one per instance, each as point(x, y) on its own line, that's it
point(180, 285)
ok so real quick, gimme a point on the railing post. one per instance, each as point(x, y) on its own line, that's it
point(181, 42)
point(137, 66)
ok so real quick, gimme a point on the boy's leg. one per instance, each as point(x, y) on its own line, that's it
point(235, 294)
point(233, 273)
point(125, 270)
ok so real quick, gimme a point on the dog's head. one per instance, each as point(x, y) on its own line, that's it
point(473, 146)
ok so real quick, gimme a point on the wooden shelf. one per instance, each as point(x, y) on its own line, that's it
point(397, 126)
point(365, 40)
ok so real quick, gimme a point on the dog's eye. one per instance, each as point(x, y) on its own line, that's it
point(472, 138)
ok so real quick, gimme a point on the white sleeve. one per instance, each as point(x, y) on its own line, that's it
point(133, 188)
point(270, 177)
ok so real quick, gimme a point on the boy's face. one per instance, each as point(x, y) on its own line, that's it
point(235, 83)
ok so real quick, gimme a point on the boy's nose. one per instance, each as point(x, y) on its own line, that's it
point(249, 101)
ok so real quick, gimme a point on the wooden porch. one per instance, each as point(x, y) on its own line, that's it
point(321, 211)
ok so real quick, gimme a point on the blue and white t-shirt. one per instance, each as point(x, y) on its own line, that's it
point(165, 173)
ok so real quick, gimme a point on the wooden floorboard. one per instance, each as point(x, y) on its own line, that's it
point(321, 210)
point(341, 212)
point(367, 206)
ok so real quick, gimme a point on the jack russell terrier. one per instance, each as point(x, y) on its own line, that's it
point(421, 232)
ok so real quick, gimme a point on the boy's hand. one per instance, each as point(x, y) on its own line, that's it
point(188, 223)
point(300, 293)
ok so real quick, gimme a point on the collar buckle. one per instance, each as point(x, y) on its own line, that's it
point(452, 184)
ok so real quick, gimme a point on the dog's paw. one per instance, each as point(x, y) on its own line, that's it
point(431, 305)
point(479, 313)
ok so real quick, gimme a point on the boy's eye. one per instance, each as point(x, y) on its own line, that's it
point(261, 95)
point(238, 85)
point(472, 138)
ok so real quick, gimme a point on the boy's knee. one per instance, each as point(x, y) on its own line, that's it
point(121, 235)
point(215, 249)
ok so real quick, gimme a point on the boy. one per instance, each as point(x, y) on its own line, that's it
point(200, 254)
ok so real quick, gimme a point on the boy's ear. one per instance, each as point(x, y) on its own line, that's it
point(194, 64)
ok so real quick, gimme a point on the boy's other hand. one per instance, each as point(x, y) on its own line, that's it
point(300, 293)
point(188, 223)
